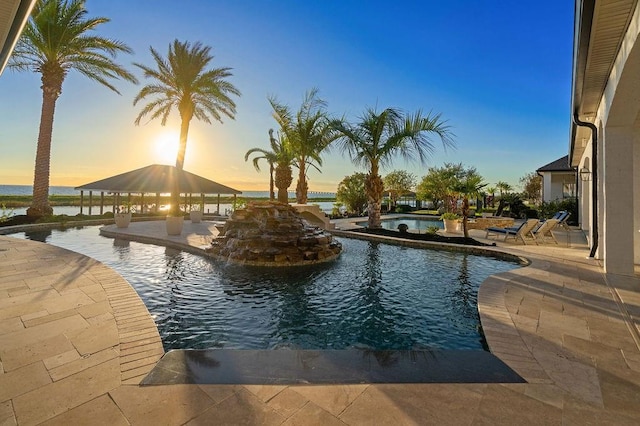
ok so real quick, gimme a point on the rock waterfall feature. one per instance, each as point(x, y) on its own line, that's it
point(272, 234)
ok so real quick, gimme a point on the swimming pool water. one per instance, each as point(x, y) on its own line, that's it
point(412, 223)
point(375, 296)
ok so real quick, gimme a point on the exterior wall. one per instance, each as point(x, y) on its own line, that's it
point(618, 145)
point(553, 185)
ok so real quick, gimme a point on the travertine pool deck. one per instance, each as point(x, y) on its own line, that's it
point(75, 341)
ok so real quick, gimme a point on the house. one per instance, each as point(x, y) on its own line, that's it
point(558, 180)
point(604, 142)
point(14, 15)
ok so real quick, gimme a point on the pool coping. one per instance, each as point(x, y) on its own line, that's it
point(555, 389)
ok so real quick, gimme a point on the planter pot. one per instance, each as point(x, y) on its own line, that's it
point(195, 216)
point(174, 225)
point(451, 225)
point(122, 219)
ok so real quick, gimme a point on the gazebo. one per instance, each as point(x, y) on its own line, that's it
point(154, 179)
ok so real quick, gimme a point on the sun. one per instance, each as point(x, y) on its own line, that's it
point(166, 148)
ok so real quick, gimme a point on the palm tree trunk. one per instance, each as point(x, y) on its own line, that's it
point(374, 187)
point(272, 195)
point(40, 202)
point(283, 181)
point(182, 149)
point(302, 187)
point(465, 213)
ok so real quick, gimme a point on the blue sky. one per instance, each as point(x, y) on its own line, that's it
point(498, 71)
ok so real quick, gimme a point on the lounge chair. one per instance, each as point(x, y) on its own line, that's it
point(562, 220)
point(543, 230)
point(515, 232)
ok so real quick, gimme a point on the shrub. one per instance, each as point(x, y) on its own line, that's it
point(432, 230)
point(449, 216)
point(403, 208)
point(547, 210)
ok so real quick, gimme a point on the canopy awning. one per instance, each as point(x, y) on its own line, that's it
point(155, 179)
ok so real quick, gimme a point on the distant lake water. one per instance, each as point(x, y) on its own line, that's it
point(325, 206)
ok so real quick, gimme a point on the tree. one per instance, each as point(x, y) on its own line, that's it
point(398, 183)
point(378, 137)
point(56, 40)
point(270, 157)
point(284, 159)
point(532, 187)
point(503, 187)
point(438, 185)
point(469, 184)
point(492, 190)
point(308, 132)
point(352, 194)
point(182, 81)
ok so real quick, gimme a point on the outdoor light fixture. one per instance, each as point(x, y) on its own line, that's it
point(585, 174)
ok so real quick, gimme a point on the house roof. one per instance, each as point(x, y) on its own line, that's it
point(599, 28)
point(157, 178)
point(14, 15)
point(560, 165)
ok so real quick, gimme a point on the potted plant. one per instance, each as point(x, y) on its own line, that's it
point(174, 224)
point(195, 213)
point(122, 216)
point(450, 221)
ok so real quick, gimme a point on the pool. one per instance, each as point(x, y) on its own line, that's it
point(412, 223)
point(375, 296)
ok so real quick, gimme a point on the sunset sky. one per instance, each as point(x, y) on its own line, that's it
point(498, 71)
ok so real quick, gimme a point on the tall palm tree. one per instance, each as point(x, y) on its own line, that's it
point(378, 137)
point(308, 132)
point(57, 39)
point(182, 81)
point(270, 157)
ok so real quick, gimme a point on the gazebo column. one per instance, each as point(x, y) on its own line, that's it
point(101, 203)
point(202, 203)
point(90, 201)
point(81, 200)
point(218, 210)
point(142, 202)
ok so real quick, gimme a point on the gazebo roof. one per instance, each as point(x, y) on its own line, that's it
point(157, 178)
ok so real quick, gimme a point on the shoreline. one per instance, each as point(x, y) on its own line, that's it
point(19, 201)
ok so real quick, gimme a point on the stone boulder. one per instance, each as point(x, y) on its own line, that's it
point(272, 234)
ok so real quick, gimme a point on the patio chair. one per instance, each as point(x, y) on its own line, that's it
point(544, 230)
point(521, 231)
point(563, 219)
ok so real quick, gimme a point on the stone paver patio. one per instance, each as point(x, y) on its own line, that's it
point(75, 340)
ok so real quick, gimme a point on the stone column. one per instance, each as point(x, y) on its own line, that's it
point(617, 233)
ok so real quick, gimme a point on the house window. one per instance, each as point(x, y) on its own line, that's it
point(568, 190)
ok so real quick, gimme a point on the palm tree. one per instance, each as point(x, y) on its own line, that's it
point(503, 187)
point(309, 134)
point(469, 185)
point(492, 190)
point(284, 158)
point(182, 81)
point(270, 157)
point(378, 137)
point(58, 39)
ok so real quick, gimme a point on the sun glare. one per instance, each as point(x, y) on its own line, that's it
point(166, 148)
